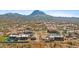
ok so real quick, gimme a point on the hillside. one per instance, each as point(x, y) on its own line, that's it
point(37, 15)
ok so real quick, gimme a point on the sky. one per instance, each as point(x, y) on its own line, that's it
point(58, 13)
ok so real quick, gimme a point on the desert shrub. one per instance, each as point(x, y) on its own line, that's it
point(3, 38)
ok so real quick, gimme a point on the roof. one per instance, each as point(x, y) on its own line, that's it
point(19, 35)
point(55, 35)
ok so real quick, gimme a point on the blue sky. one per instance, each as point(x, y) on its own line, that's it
point(62, 13)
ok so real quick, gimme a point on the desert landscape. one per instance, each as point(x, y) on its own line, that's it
point(38, 30)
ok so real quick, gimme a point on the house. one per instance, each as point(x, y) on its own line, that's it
point(28, 33)
point(22, 36)
point(55, 37)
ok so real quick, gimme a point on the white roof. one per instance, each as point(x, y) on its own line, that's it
point(52, 36)
point(20, 35)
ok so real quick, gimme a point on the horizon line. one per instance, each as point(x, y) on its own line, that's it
point(46, 14)
point(56, 13)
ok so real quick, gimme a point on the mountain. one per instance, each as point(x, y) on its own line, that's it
point(37, 12)
point(12, 16)
point(37, 15)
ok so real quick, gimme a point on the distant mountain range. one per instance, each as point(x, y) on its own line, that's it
point(37, 15)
